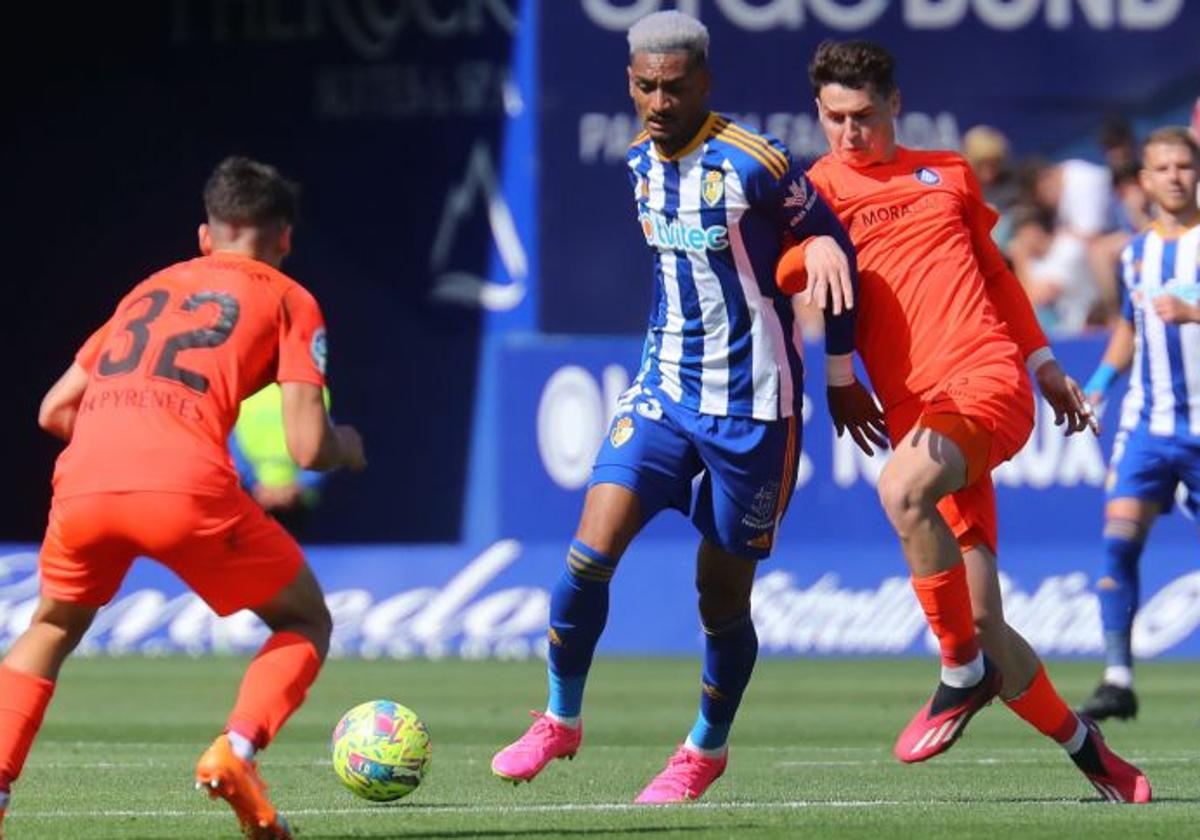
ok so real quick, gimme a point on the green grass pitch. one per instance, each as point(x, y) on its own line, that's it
point(811, 756)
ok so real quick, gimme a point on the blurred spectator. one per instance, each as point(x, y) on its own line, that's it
point(1118, 143)
point(987, 151)
point(267, 472)
point(1060, 276)
point(1053, 268)
point(1132, 208)
point(1195, 129)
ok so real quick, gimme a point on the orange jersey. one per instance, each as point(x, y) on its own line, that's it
point(170, 368)
point(936, 297)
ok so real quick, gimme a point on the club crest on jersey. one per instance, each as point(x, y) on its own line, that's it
point(927, 176)
point(714, 187)
point(622, 431)
point(318, 349)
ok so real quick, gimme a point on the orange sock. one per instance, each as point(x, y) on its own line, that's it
point(23, 701)
point(947, 604)
point(275, 685)
point(1044, 709)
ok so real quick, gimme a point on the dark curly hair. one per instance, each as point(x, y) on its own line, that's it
point(853, 64)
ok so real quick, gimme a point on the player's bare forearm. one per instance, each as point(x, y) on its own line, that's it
point(312, 440)
point(60, 406)
point(1119, 352)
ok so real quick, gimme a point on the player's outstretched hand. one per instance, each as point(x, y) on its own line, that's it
point(1066, 398)
point(828, 275)
point(350, 445)
point(853, 409)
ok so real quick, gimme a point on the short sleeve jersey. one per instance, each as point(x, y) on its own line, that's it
point(918, 224)
point(169, 370)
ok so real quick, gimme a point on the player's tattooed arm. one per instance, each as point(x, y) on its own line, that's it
point(60, 406)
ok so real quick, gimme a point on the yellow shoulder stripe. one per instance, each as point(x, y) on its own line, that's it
point(760, 141)
point(756, 152)
point(639, 139)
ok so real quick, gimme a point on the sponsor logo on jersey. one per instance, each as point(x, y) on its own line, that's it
point(622, 431)
point(927, 176)
point(318, 349)
point(674, 234)
point(714, 187)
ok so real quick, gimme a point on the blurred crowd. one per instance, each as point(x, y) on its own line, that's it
point(1063, 224)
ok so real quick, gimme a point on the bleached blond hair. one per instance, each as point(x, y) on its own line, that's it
point(670, 31)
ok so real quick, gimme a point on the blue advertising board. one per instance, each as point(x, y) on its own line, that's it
point(851, 598)
point(560, 393)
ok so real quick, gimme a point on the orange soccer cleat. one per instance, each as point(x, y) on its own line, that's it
point(220, 772)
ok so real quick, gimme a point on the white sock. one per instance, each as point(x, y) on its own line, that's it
point(242, 746)
point(1073, 745)
point(1119, 675)
point(572, 722)
point(963, 676)
point(715, 753)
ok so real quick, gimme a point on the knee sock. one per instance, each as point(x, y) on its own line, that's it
point(1041, 706)
point(578, 613)
point(946, 600)
point(1119, 590)
point(23, 701)
point(274, 686)
point(729, 654)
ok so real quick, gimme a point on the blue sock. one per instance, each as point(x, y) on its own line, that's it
point(578, 612)
point(729, 654)
point(1119, 588)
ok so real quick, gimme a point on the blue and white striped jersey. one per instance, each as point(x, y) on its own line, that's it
point(723, 339)
point(1164, 385)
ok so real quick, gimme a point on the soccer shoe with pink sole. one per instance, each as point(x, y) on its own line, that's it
point(1115, 778)
point(942, 720)
point(544, 741)
point(687, 775)
point(220, 772)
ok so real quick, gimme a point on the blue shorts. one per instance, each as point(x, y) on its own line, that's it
point(656, 448)
point(1152, 468)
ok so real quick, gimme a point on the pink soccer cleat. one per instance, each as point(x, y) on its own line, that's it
point(1115, 778)
point(941, 721)
point(686, 776)
point(544, 741)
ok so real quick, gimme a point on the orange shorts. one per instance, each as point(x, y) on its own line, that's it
point(231, 553)
point(989, 414)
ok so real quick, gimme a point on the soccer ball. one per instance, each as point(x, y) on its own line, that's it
point(380, 750)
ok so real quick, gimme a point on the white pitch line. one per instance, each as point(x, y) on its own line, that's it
point(396, 810)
